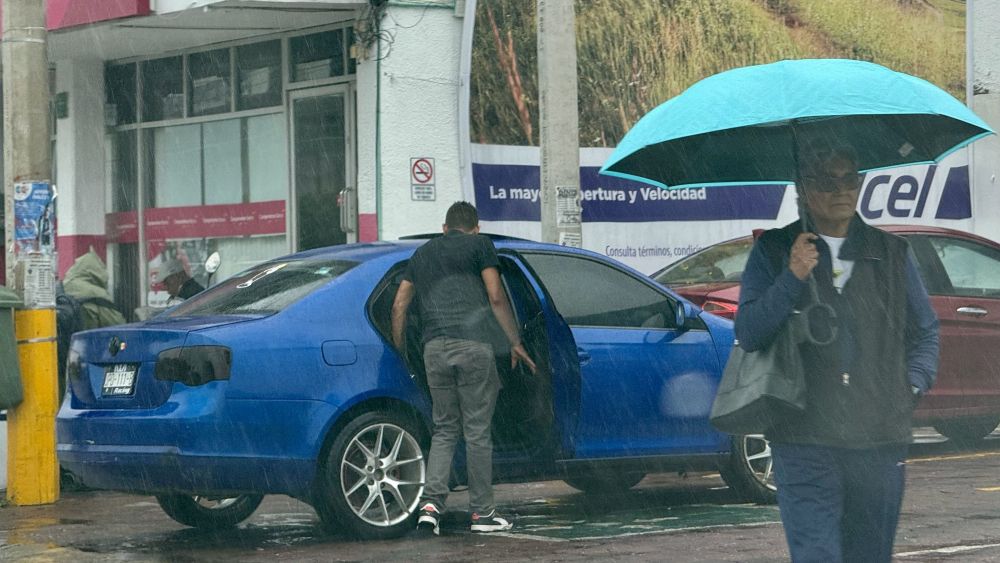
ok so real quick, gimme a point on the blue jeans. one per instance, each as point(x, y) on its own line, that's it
point(837, 504)
point(462, 376)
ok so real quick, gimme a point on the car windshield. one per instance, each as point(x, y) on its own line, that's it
point(720, 263)
point(264, 289)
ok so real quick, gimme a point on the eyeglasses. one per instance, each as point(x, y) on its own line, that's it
point(830, 184)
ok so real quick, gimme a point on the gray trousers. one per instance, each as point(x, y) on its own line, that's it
point(462, 376)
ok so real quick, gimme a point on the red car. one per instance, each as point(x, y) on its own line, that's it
point(962, 274)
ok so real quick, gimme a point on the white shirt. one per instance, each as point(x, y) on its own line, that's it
point(841, 268)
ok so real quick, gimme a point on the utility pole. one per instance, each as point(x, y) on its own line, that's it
point(32, 467)
point(559, 123)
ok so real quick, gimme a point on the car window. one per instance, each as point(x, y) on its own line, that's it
point(264, 289)
point(590, 293)
point(722, 262)
point(972, 268)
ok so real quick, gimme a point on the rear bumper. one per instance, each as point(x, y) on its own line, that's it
point(164, 469)
point(205, 446)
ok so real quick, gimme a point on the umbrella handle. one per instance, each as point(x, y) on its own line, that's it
point(817, 314)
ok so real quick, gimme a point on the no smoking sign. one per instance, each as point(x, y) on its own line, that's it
point(422, 179)
point(422, 170)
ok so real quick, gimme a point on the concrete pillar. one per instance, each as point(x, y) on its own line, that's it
point(80, 161)
point(407, 108)
point(984, 155)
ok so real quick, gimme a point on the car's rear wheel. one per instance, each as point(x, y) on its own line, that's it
point(968, 430)
point(749, 470)
point(598, 481)
point(209, 512)
point(373, 477)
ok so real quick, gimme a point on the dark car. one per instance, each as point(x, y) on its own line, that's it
point(962, 275)
point(282, 380)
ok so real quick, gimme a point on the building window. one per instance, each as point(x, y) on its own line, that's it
point(318, 56)
point(267, 157)
point(124, 182)
point(209, 74)
point(176, 166)
point(223, 155)
point(258, 73)
point(217, 162)
point(162, 89)
point(120, 93)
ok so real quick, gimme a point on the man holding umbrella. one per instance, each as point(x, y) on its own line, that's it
point(839, 467)
point(817, 123)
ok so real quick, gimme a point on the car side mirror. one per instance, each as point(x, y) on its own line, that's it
point(683, 312)
point(213, 262)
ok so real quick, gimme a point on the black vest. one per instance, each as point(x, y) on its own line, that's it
point(857, 387)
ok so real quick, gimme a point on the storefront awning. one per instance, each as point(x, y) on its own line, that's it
point(208, 23)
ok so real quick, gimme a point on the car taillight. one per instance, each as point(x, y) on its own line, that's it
point(194, 365)
point(74, 367)
point(720, 308)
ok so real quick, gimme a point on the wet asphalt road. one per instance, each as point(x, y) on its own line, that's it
point(951, 513)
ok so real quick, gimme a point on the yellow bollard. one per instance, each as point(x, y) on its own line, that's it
point(32, 465)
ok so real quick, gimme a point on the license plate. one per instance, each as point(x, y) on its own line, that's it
point(119, 380)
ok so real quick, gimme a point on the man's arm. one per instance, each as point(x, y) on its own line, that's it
point(922, 339)
point(399, 308)
point(504, 315)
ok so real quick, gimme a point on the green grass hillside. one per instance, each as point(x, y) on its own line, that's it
point(634, 54)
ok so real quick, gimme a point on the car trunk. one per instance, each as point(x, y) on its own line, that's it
point(114, 368)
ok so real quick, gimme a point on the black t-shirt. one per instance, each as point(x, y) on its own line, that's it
point(190, 289)
point(446, 273)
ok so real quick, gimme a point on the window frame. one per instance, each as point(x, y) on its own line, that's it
point(674, 301)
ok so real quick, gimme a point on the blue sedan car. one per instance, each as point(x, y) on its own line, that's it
point(283, 380)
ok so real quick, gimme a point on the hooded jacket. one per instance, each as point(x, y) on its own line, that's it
point(86, 280)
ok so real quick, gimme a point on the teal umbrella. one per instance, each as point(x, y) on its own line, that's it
point(740, 126)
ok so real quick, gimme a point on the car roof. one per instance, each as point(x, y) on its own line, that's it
point(401, 249)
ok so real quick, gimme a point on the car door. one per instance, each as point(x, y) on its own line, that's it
point(646, 385)
point(549, 341)
point(968, 307)
point(948, 395)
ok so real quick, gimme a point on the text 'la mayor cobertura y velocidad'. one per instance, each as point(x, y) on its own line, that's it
point(605, 194)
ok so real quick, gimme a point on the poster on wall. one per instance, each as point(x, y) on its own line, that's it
point(34, 218)
point(625, 71)
point(34, 243)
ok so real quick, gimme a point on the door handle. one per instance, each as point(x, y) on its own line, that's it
point(977, 312)
point(583, 355)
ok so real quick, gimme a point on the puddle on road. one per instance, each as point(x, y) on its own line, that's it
point(646, 521)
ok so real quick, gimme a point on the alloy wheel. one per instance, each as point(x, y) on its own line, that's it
point(757, 456)
point(382, 474)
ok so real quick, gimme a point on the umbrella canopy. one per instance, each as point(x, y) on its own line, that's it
point(740, 126)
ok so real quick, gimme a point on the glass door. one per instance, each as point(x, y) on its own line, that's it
point(322, 169)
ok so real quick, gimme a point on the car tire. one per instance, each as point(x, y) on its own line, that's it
point(604, 481)
point(968, 430)
point(749, 469)
point(209, 513)
point(373, 477)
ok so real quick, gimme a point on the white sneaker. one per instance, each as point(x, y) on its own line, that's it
point(491, 522)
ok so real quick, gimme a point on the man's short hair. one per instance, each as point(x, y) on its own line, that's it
point(461, 215)
point(817, 152)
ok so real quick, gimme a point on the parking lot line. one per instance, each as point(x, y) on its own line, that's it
point(947, 550)
point(953, 457)
point(988, 489)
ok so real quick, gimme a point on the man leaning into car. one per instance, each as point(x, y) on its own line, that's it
point(456, 281)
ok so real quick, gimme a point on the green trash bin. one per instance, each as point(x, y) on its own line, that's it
point(11, 390)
